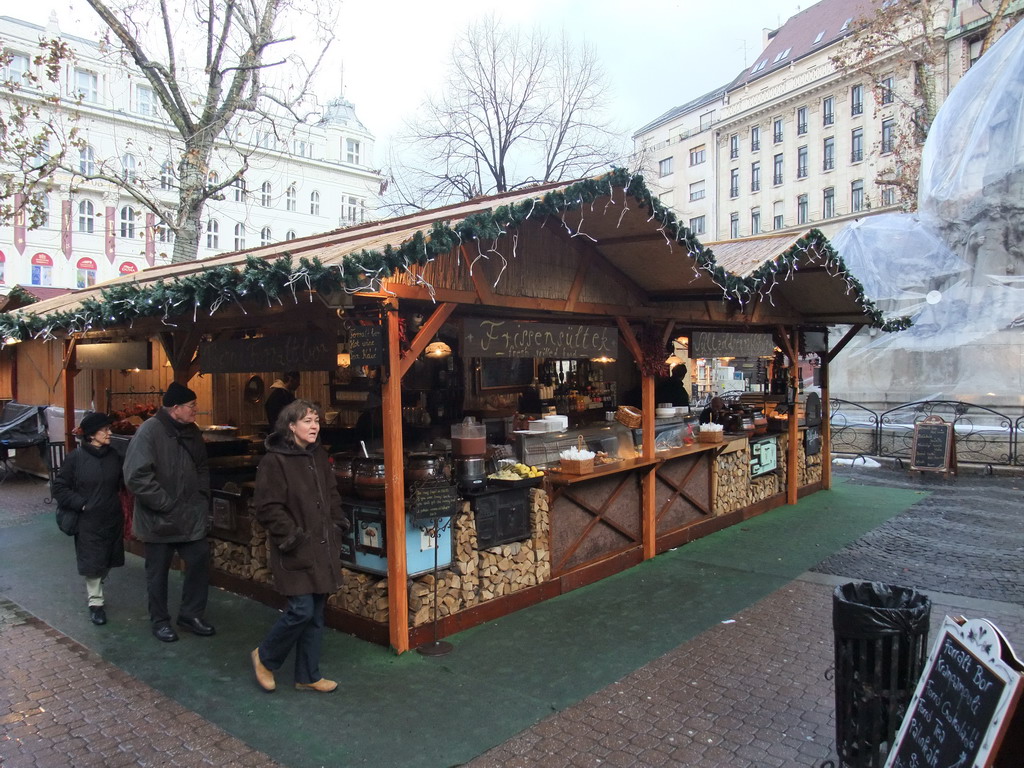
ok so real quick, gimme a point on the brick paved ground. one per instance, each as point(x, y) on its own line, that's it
point(749, 693)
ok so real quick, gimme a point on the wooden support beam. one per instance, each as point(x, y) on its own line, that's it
point(850, 334)
point(394, 504)
point(69, 371)
point(792, 475)
point(425, 335)
point(826, 428)
point(484, 294)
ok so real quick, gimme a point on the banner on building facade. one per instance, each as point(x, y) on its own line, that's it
point(151, 238)
point(19, 222)
point(65, 228)
point(110, 244)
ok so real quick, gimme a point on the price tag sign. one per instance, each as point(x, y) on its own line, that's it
point(433, 499)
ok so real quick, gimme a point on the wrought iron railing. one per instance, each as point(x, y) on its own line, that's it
point(982, 435)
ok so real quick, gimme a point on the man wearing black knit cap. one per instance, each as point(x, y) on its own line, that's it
point(165, 467)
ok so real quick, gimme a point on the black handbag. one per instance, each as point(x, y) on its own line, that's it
point(67, 520)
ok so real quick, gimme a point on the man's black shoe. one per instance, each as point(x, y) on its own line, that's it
point(97, 615)
point(164, 633)
point(196, 626)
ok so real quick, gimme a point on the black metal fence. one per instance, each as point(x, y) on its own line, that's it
point(982, 435)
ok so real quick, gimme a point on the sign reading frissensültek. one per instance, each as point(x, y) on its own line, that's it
point(510, 338)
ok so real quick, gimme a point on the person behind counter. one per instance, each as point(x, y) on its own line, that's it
point(673, 388)
point(282, 392)
point(165, 467)
point(715, 411)
point(88, 482)
point(297, 501)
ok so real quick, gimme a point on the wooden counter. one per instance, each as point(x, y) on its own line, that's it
point(558, 478)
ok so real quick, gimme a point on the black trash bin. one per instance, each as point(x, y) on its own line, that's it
point(881, 646)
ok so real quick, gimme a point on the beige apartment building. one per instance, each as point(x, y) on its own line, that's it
point(793, 141)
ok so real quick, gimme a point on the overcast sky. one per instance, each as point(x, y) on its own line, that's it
point(657, 54)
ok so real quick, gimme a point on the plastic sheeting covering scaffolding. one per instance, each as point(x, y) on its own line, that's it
point(957, 265)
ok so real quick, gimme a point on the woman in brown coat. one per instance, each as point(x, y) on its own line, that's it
point(297, 502)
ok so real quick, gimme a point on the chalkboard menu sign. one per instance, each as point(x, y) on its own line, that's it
point(308, 352)
point(433, 499)
point(964, 703)
point(716, 344)
point(510, 338)
point(112, 356)
point(933, 449)
point(366, 345)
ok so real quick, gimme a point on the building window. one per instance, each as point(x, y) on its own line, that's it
point(857, 196)
point(828, 154)
point(302, 148)
point(777, 215)
point(239, 236)
point(167, 175)
point(801, 121)
point(355, 209)
point(888, 195)
point(16, 71)
point(755, 177)
point(87, 85)
point(86, 216)
point(212, 233)
point(801, 209)
point(828, 203)
point(314, 203)
point(697, 190)
point(857, 100)
point(145, 100)
point(85, 277)
point(734, 146)
point(885, 86)
point(888, 135)
point(801, 162)
point(352, 148)
point(828, 110)
point(212, 179)
point(734, 182)
point(857, 145)
point(44, 209)
point(164, 233)
point(128, 168)
point(665, 166)
point(697, 155)
point(266, 238)
point(974, 51)
point(705, 120)
point(42, 274)
point(86, 161)
point(734, 225)
point(128, 217)
point(265, 198)
point(777, 170)
point(697, 225)
point(289, 235)
point(290, 198)
point(755, 138)
point(777, 130)
point(755, 221)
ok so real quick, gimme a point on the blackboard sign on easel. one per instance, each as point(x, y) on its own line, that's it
point(934, 448)
point(366, 345)
point(964, 712)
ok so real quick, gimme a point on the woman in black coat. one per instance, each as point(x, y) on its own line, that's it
point(297, 502)
point(88, 482)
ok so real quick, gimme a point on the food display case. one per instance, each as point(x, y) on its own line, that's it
point(542, 449)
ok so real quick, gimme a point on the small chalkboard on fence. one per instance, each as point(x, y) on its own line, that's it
point(964, 711)
point(433, 499)
point(934, 448)
point(366, 345)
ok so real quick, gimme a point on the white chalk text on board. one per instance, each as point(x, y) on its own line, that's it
point(715, 344)
point(310, 352)
point(964, 702)
point(509, 338)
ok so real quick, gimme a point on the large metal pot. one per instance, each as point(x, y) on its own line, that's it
point(344, 472)
point(420, 467)
point(471, 473)
point(370, 477)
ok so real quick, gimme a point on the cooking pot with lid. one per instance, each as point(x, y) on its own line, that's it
point(370, 477)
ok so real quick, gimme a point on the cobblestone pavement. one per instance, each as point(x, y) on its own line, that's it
point(753, 692)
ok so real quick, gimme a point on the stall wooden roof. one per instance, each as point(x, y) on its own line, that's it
point(646, 256)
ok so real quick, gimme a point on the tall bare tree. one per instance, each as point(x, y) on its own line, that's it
point(225, 72)
point(27, 127)
point(903, 39)
point(517, 108)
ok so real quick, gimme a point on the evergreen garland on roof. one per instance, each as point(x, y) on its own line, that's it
point(262, 280)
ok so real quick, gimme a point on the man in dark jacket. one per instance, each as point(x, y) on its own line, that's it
point(282, 392)
point(165, 467)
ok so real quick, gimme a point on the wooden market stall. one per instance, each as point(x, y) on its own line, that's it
point(597, 269)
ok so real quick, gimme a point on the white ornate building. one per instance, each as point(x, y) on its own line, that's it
point(792, 142)
point(302, 178)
